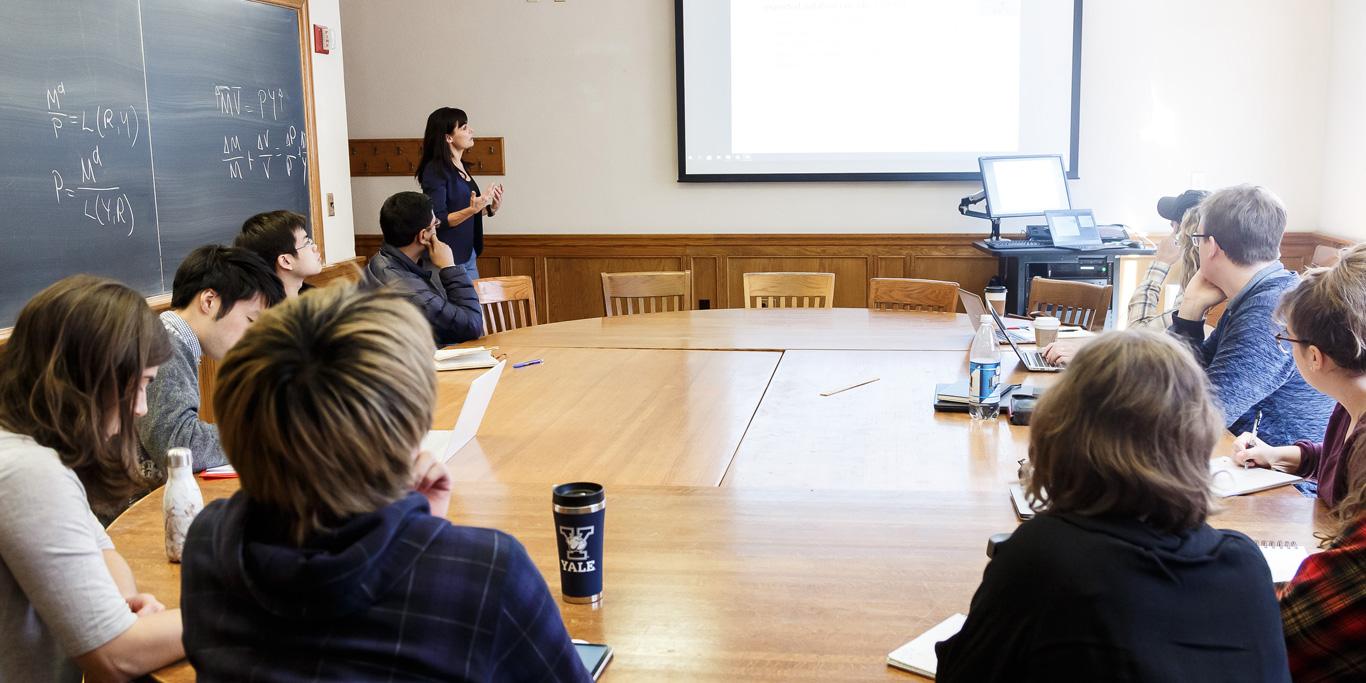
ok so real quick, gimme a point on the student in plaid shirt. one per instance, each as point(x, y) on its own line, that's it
point(335, 560)
point(1324, 607)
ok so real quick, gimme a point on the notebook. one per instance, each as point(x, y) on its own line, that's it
point(1284, 558)
point(465, 359)
point(1228, 478)
point(918, 656)
point(1021, 502)
point(443, 443)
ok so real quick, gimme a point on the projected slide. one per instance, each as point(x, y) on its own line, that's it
point(773, 89)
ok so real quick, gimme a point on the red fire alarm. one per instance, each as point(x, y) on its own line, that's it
point(322, 39)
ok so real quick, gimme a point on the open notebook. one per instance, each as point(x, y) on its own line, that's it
point(1228, 478)
point(464, 359)
point(443, 443)
point(918, 656)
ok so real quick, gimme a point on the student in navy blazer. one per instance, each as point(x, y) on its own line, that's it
point(456, 198)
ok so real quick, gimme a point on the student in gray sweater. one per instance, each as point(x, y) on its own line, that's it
point(1255, 381)
point(217, 292)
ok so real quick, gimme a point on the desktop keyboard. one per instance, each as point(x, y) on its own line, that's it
point(1017, 244)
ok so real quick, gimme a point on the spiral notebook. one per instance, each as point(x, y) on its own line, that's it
point(1284, 558)
point(1228, 478)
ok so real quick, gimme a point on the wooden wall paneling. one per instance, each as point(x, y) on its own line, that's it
point(891, 266)
point(574, 283)
point(851, 275)
point(490, 266)
point(399, 156)
point(704, 285)
point(970, 272)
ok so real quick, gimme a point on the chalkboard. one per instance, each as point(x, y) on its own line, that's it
point(133, 131)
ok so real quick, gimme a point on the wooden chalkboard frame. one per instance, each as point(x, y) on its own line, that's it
point(161, 302)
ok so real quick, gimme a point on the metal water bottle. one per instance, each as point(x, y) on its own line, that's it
point(181, 500)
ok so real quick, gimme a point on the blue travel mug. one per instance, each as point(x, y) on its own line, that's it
point(580, 510)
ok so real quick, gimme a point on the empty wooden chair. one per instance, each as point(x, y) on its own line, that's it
point(789, 290)
point(507, 302)
point(649, 292)
point(1072, 303)
point(910, 294)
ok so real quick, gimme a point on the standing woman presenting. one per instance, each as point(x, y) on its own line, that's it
point(459, 206)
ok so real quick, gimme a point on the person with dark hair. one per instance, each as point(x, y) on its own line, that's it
point(281, 239)
point(1254, 381)
point(216, 294)
point(456, 200)
point(1119, 577)
point(423, 269)
point(335, 562)
point(73, 376)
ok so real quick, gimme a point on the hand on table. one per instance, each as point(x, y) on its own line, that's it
point(433, 481)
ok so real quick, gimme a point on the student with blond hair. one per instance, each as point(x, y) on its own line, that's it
point(1325, 605)
point(1118, 576)
point(73, 376)
point(335, 560)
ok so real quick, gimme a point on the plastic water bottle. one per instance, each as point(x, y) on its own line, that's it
point(181, 500)
point(984, 372)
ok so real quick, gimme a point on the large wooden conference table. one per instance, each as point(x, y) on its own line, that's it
point(755, 529)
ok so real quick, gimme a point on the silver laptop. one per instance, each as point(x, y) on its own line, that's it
point(973, 306)
point(1031, 359)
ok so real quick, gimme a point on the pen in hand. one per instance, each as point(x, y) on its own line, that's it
point(1257, 422)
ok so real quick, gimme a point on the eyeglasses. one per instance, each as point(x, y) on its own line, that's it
point(1197, 236)
point(308, 242)
point(1284, 341)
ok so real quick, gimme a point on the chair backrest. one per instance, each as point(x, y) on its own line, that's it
point(789, 290)
point(649, 292)
point(1325, 256)
point(1073, 303)
point(506, 302)
point(910, 294)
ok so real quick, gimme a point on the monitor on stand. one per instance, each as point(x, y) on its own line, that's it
point(1019, 186)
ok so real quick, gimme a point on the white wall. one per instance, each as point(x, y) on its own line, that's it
point(1344, 168)
point(583, 92)
point(331, 161)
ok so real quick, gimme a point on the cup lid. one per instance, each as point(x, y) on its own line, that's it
point(578, 494)
point(1046, 321)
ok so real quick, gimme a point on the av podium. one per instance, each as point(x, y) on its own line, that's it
point(1018, 267)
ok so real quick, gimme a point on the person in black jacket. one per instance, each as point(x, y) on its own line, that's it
point(423, 269)
point(1118, 577)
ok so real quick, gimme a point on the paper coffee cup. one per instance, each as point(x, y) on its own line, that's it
point(1045, 330)
point(996, 298)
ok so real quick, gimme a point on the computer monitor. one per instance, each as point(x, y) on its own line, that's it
point(1024, 185)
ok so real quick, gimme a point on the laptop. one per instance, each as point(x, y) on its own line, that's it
point(1073, 229)
point(1032, 360)
point(444, 443)
point(975, 308)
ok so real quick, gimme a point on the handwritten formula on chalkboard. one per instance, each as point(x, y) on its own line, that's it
point(127, 138)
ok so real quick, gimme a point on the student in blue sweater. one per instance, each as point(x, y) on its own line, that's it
point(335, 561)
point(1254, 380)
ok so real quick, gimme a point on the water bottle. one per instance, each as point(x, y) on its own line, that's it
point(181, 500)
point(984, 372)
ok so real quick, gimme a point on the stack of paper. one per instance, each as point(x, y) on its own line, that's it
point(918, 656)
point(1228, 478)
point(465, 359)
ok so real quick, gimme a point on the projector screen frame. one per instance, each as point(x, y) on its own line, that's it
point(1072, 171)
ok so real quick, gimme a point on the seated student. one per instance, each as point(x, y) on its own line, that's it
point(1254, 381)
point(1180, 250)
point(1324, 607)
point(281, 239)
point(72, 378)
point(1325, 329)
point(335, 560)
point(1118, 577)
point(424, 270)
point(217, 292)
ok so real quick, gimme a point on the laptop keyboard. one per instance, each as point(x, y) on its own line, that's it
point(1037, 359)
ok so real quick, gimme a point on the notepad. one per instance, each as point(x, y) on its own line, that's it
point(220, 472)
point(465, 359)
point(918, 656)
point(1284, 558)
point(1228, 478)
point(443, 443)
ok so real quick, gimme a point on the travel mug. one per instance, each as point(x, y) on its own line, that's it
point(580, 509)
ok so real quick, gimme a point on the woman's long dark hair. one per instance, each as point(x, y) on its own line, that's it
point(74, 360)
point(440, 123)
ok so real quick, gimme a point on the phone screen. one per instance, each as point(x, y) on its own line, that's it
point(594, 657)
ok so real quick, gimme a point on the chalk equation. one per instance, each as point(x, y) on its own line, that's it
point(101, 198)
point(261, 152)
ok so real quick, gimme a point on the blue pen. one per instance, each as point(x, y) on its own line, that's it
point(526, 363)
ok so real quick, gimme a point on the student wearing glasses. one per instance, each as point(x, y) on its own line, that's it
point(1324, 606)
point(1239, 243)
point(416, 262)
point(281, 239)
point(1119, 577)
